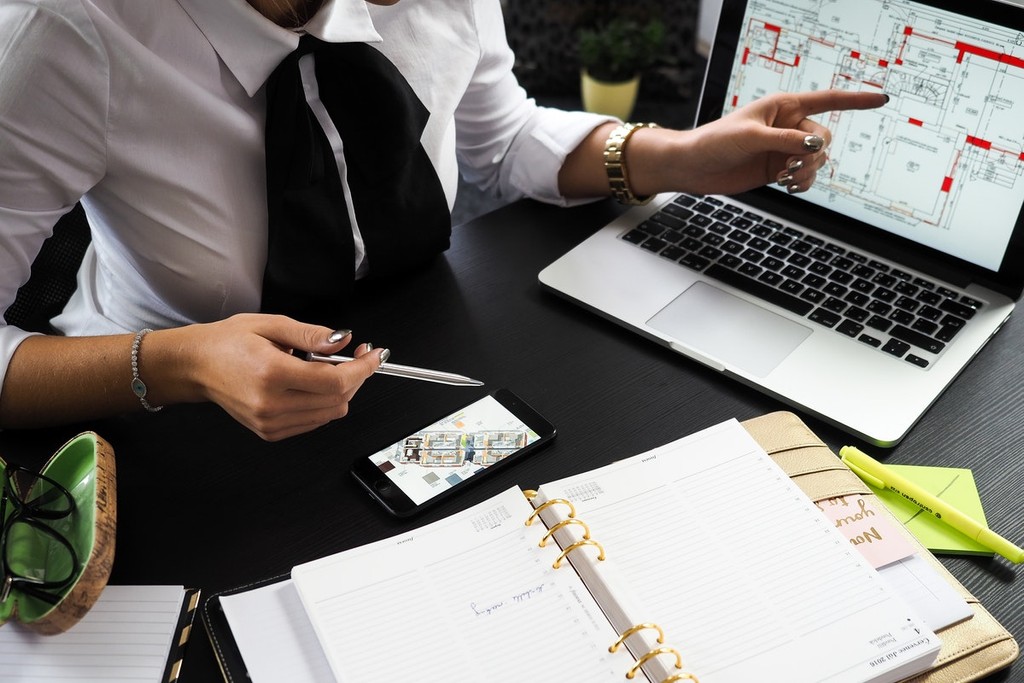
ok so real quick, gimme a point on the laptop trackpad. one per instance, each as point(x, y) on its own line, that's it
point(726, 328)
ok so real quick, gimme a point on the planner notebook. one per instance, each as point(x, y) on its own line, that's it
point(716, 566)
point(132, 634)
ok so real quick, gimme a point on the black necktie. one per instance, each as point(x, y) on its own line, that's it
point(399, 204)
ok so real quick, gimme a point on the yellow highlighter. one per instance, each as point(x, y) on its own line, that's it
point(878, 475)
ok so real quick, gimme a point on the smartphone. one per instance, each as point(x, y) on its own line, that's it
point(443, 457)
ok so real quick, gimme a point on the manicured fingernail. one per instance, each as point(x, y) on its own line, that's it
point(813, 143)
point(886, 98)
point(793, 188)
point(785, 179)
point(795, 165)
point(384, 355)
point(368, 346)
point(338, 335)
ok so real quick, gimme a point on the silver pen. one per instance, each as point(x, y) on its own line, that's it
point(404, 371)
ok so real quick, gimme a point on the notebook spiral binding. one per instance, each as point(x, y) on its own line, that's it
point(682, 676)
point(572, 520)
point(588, 541)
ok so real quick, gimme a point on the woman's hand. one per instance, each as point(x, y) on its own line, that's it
point(245, 365)
point(770, 140)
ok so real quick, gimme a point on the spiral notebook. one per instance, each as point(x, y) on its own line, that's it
point(698, 560)
point(132, 634)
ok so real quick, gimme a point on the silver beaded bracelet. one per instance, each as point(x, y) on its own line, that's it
point(138, 386)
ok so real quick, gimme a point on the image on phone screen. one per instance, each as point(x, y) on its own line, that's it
point(451, 451)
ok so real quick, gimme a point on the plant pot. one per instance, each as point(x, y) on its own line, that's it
point(614, 99)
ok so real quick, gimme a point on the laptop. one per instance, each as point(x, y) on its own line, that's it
point(859, 301)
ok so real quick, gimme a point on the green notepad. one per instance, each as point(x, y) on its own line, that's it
point(953, 485)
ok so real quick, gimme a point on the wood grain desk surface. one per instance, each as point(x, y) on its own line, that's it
point(203, 502)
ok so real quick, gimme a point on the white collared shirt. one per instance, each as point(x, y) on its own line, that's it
point(152, 114)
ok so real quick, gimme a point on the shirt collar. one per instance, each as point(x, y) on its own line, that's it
point(251, 46)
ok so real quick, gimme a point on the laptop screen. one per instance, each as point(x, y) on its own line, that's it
point(942, 164)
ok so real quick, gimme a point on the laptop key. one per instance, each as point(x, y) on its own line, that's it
point(924, 326)
point(760, 290)
point(710, 253)
point(902, 317)
point(849, 328)
point(835, 289)
point(857, 298)
point(676, 211)
point(857, 314)
point(947, 332)
point(791, 287)
point(792, 232)
point(968, 301)
point(731, 247)
point(916, 360)
point(958, 309)
point(896, 347)
point(879, 307)
point(635, 236)
point(879, 323)
point(833, 304)
point(869, 340)
point(813, 295)
point(812, 280)
point(886, 295)
point(654, 244)
point(750, 270)
point(671, 236)
point(673, 252)
point(694, 261)
point(823, 317)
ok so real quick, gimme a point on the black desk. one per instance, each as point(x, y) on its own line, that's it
point(205, 503)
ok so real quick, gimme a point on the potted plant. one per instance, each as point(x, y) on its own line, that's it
point(613, 56)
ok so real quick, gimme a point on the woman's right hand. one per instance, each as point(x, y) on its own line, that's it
point(245, 365)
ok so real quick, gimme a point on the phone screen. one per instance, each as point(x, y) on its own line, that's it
point(451, 451)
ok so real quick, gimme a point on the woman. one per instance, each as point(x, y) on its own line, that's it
point(153, 116)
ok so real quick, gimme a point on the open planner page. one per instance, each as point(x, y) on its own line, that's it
point(740, 569)
point(470, 598)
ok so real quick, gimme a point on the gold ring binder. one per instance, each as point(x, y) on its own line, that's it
point(651, 655)
point(578, 544)
point(563, 523)
point(630, 631)
point(553, 501)
point(681, 677)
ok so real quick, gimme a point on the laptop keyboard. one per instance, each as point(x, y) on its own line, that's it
point(902, 314)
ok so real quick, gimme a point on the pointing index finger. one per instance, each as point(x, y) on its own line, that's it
point(821, 101)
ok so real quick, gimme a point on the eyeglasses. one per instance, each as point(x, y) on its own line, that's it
point(37, 559)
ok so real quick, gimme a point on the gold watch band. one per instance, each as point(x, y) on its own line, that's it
point(615, 163)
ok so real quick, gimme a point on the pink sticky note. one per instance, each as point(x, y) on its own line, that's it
point(873, 533)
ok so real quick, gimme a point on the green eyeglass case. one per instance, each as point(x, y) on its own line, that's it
point(85, 467)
